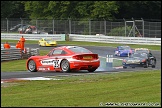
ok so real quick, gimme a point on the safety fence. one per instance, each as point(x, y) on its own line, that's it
point(115, 39)
point(8, 36)
point(119, 27)
point(15, 54)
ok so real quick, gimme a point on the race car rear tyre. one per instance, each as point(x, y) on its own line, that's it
point(91, 70)
point(65, 66)
point(32, 66)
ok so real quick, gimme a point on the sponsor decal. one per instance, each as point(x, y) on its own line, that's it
point(55, 63)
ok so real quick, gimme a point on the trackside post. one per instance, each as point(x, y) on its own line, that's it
point(109, 61)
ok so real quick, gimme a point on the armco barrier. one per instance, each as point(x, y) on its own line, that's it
point(10, 54)
point(8, 36)
point(15, 54)
point(87, 38)
point(115, 39)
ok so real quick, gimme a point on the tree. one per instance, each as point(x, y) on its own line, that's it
point(12, 9)
point(104, 10)
point(139, 9)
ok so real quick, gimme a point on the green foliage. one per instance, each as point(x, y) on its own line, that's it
point(104, 10)
point(98, 10)
point(13, 9)
point(120, 31)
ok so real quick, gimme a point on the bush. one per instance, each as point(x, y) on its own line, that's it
point(120, 31)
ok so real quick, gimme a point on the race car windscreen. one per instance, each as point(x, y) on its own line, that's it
point(124, 48)
point(141, 55)
point(48, 39)
point(79, 50)
point(142, 51)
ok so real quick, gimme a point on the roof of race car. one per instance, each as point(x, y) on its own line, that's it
point(67, 47)
point(124, 46)
point(141, 49)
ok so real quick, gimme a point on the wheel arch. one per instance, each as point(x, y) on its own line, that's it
point(28, 62)
point(62, 61)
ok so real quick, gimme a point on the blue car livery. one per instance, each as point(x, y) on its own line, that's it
point(123, 51)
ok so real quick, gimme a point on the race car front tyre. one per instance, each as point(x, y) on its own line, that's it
point(32, 66)
point(65, 66)
point(124, 67)
point(146, 65)
point(153, 64)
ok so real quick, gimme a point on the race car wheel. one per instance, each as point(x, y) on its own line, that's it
point(153, 64)
point(124, 67)
point(39, 44)
point(65, 66)
point(32, 66)
point(91, 70)
point(146, 65)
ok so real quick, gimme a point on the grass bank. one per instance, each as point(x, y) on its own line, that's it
point(87, 90)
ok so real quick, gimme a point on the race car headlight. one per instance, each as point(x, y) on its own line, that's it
point(144, 60)
point(124, 60)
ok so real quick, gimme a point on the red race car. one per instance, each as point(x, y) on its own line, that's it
point(64, 59)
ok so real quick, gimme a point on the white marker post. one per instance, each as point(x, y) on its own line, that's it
point(109, 61)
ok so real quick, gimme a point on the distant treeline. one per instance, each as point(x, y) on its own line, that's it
point(93, 10)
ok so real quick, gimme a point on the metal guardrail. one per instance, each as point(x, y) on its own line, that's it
point(88, 38)
point(10, 54)
point(57, 37)
point(115, 39)
point(15, 54)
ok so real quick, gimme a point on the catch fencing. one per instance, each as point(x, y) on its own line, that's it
point(120, 27)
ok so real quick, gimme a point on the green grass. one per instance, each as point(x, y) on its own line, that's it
point(85, 90)
point(151, 47)
point(117, 62)
point(17, 65)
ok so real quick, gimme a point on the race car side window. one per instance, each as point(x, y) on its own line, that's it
point(63, 52)
point(58, 52)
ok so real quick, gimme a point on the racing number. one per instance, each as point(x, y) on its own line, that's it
point(56, 63)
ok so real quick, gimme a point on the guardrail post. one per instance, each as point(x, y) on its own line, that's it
point(109, 61)
point(28, 51)
point(37, 51)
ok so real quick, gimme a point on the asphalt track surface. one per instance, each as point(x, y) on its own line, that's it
point(101, 51)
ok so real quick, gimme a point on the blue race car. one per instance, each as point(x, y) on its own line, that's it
point(123, 51)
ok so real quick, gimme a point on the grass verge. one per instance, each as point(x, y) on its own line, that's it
point(17, 65)
point(87, 90)
point(151, 47)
